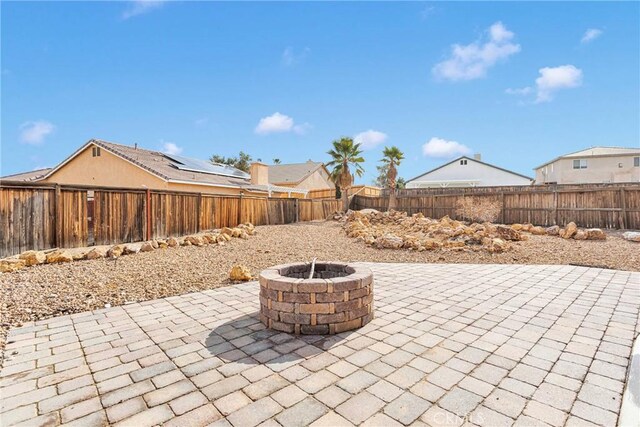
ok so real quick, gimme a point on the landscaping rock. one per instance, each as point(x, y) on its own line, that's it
point(194, 240)
point(632, 236)
point(131, 248)
point(508, 233)
point(569, 231)
point(580, 235)
point(11, 265)
point(59, 256)
point(389, 241)
point(172, 242)
point(115, 251)
point(96, 253)
point(596, 234)
point(226, 231)
point(146, 247)
point(209, 237)
point(154, 244)
point(554, 230)
point(537, 231)
point(240, 273)
point(497, 246)
point(78, 253)
point(33, 257)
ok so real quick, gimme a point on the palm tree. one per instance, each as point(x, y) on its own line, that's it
point(344, 153)
point(392, 157)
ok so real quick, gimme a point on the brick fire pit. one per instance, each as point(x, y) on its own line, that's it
point(338, 298)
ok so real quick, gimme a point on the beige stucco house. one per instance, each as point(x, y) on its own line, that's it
point(106, 164)
point(593, 165)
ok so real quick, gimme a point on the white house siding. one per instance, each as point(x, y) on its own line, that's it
point(472, 174)
point(598, 170)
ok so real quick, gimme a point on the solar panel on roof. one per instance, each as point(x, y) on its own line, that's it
point(197, 165)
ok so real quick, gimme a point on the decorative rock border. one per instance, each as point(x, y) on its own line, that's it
point(339, 298)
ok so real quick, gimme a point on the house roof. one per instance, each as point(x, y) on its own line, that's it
point(596, 152)
point(27, 176)
point(473, 160)
point(177, 169)
point(292, 173)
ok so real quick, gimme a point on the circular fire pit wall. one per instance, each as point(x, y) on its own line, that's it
point(338, 298)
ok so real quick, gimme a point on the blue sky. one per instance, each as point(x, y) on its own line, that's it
point(518, 82)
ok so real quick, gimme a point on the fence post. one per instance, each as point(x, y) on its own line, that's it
point(268, 208)
point(147, 207)
point(433, 206)
point(297, 206)
point(239, 210)
point(555, 206)
point(58, 215)
point(199, 221)
point(503, 206)
point(623, 213)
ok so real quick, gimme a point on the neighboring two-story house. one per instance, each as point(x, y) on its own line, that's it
point(593, 165)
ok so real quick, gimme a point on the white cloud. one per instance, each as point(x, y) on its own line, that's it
point(519, 91)
point(441, 148)
point(472, 61)
point(140, 7)
point(427, 12)
point(280, 123)
point(34, 133)
point(290, 57)
point(171, 148)
point(370, 139)
point(553, 79)
point(590, 35)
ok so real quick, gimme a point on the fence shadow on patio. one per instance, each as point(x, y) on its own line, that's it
point(245, 340)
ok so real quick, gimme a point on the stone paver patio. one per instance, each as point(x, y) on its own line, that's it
point(482, 344)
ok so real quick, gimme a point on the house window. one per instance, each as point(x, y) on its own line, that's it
point(463, 161)
point(580, 164)
point(96, 151)
point(636, 161)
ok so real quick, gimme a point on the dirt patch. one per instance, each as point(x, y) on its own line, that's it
point(51, 290)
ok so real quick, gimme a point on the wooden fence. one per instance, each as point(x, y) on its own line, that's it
point(602, 206)
point(361, 190)
point(45, 216)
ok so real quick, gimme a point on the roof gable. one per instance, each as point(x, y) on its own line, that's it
point(293, 173)
point(159, 165)
point(473, 160)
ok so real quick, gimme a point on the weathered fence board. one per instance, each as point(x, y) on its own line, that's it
point(72, 219)
point(25, 219)
point(174, 214)
point(118, 217)
point(601, 205)
point(310, 210)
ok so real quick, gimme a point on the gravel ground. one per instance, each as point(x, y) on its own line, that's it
point(52, 290)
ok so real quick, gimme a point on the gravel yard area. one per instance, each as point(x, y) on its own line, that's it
point(55, 289)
